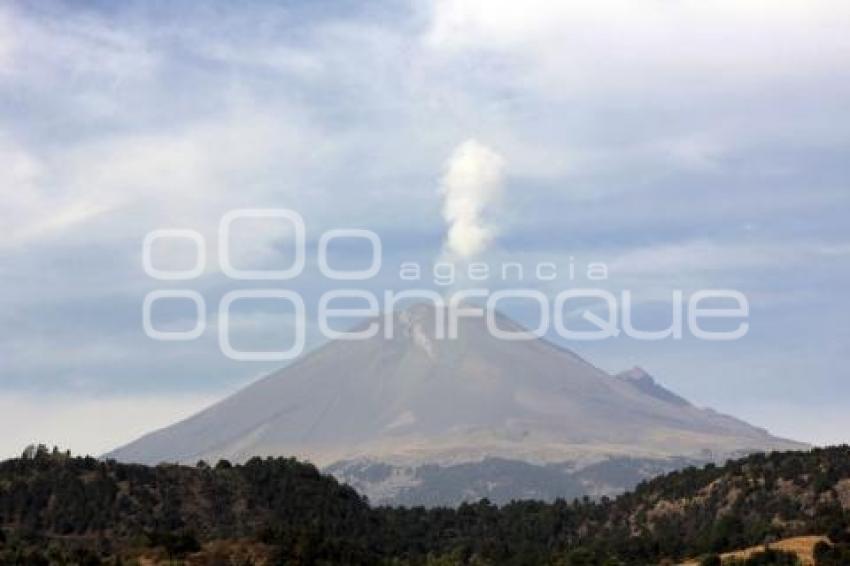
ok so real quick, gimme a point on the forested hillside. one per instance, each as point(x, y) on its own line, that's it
point(57, 508)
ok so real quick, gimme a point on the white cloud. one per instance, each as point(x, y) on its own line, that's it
point(620, 42)
point(77, 47)
point(29, 210)
point(471, 185)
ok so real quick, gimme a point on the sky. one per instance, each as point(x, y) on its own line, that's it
point(685, 144)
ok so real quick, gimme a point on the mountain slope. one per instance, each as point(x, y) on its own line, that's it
point(645, 383)
point(412, 400)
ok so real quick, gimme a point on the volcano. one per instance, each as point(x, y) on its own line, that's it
point(418, 420)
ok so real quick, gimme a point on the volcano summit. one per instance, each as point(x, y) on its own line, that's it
point(412, 419)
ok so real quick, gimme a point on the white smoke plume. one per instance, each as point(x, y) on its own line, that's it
point(471, 185)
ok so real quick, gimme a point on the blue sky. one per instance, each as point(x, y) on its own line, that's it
point(686, 144)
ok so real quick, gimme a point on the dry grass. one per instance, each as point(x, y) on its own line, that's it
point(803, 547)
point(224, 552)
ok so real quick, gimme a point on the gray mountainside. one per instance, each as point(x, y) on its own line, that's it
point(414, 419)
